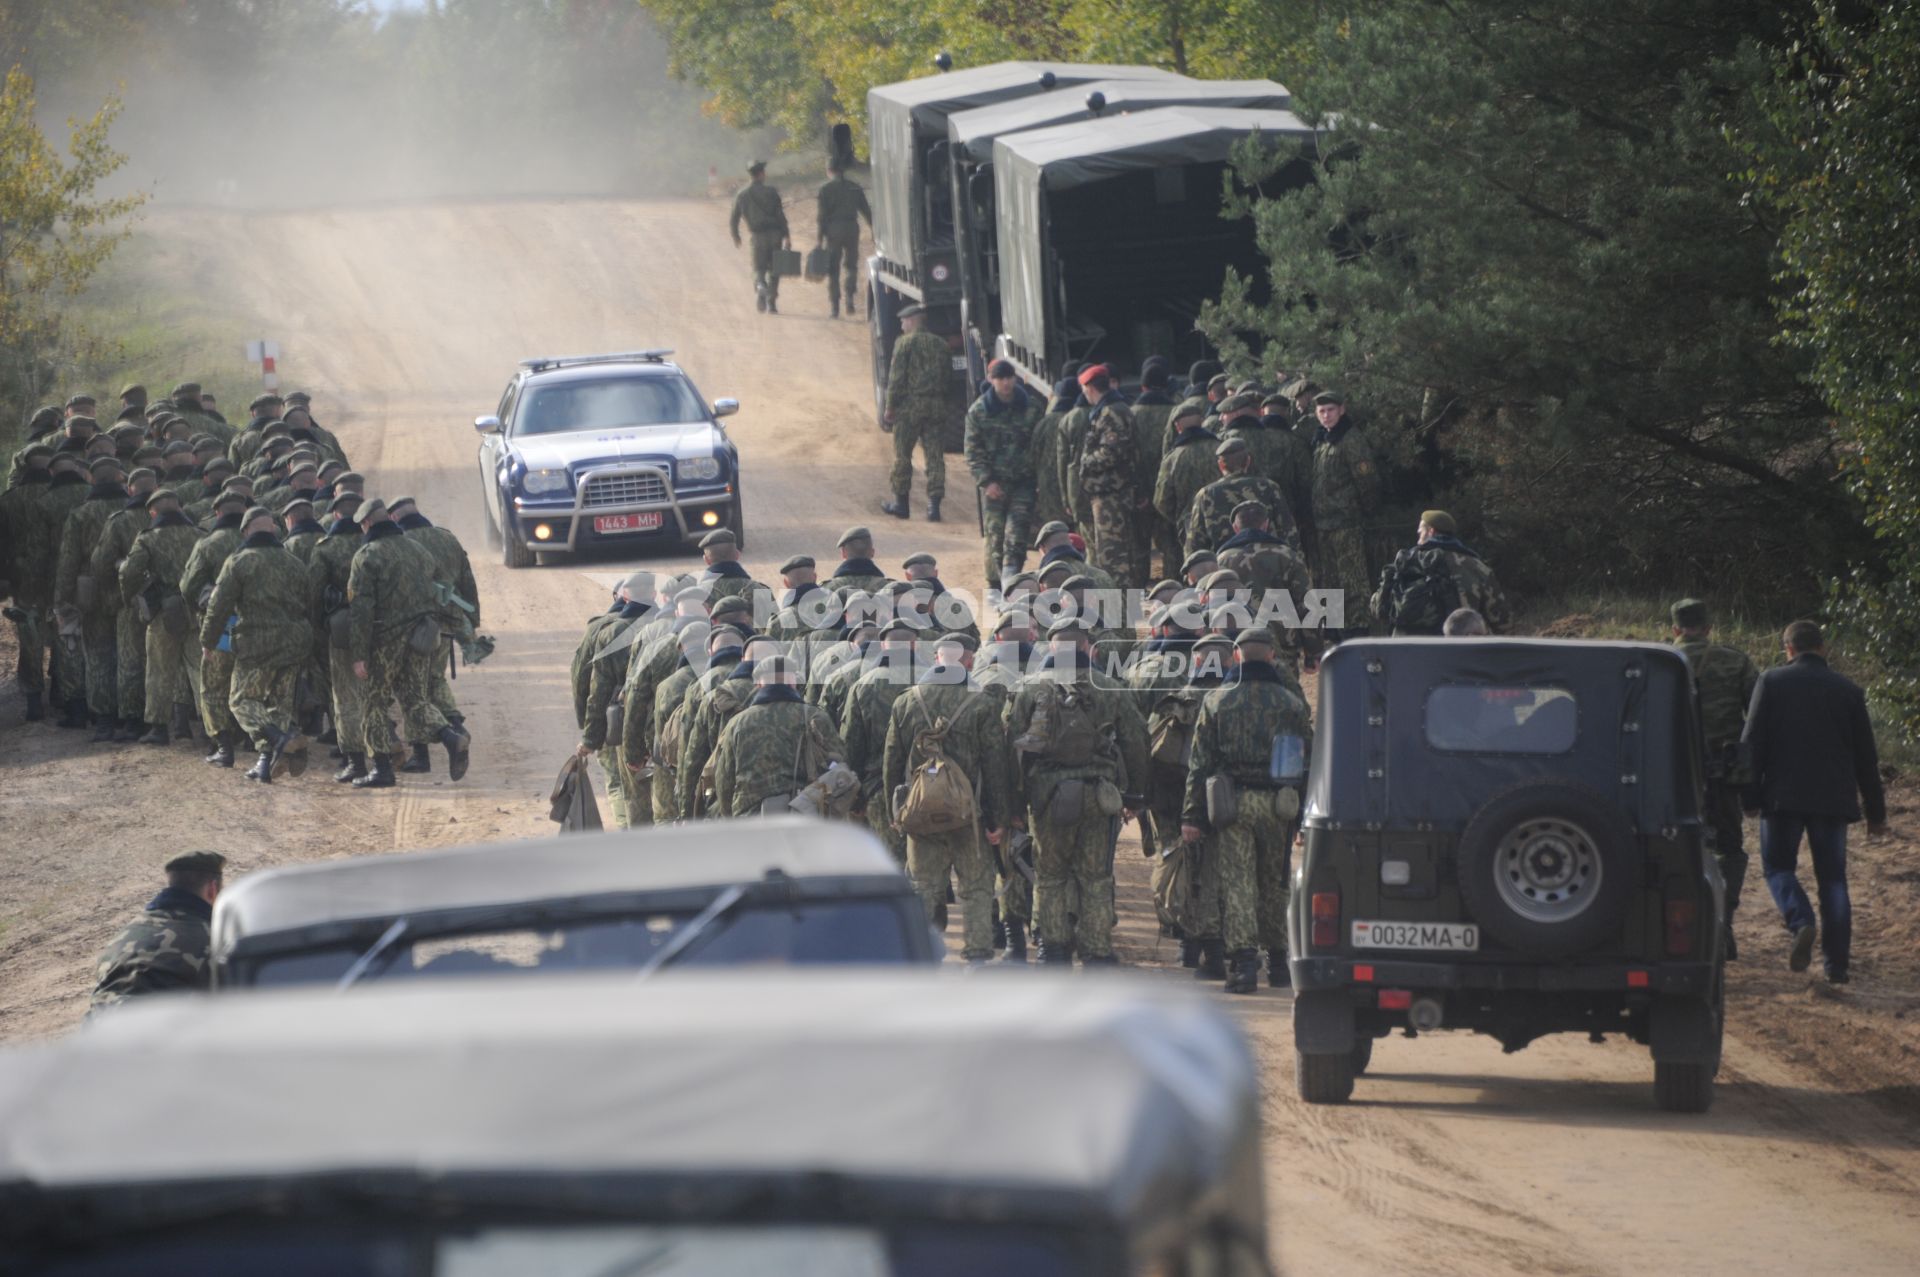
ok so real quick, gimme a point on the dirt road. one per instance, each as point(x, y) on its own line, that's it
point(1454, 1158)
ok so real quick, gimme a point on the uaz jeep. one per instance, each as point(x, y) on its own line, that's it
point(1506, 836)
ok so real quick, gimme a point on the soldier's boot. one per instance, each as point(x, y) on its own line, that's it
point(1277, 974)
point(1016, 947)
point(999, 929)
point(74, 714)
point(355, 768)
point(896, 507)
point(182, 726)
point(1243, 971)
point(420, 763)
point(36, 707)
point(104, 728)
point(223, 752)
point(289, 753)
point(933, 509)
point(380, 775)
point(1189, 953)
point(1210, 960)
point(130, 730)
point(1053, 953)
point(836, 308)
point(940, 917)
point(157, 735)
point(457, 742)
point(262, 769)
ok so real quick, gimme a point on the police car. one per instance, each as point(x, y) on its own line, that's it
point(605, 450)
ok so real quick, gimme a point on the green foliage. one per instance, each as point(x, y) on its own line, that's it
point(750, 60)
point(55, 233)
point(1839, 161)
point(1546, 290)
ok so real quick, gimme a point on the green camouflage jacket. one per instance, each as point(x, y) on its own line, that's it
point(158, 560)
point(110, 552)
point(204, 564)
point(671, 697)
point(389, 591)
point(707, 705)
point(652, 663)
point(1725, 677)
point(919, 381)
point(79, 536)
point(1043, 456)
point(864, 720)
point(975, 742)
point(1276, 456)
point(1109, 452)
point(266, 587)
point(450, 565)
point(1473, 582)
point(1235, 732)
point(761, 751)
point(999, 439)
point(1349, 479)
point(164, 950)
point(606, 673)
point(1150, 419)
point(1187, 467)
point(1114, 714)
point(329, 568)
point(1211, 521)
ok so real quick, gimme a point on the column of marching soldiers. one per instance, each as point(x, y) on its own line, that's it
point(1006, 760)
point(176, 571)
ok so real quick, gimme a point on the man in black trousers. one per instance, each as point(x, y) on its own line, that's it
point(1814, 769)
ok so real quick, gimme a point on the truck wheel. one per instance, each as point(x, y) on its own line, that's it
point(1323, 1079)
point(1547, 869)
point(514, 552)
point(1683, 1087)
point(1362, 1055)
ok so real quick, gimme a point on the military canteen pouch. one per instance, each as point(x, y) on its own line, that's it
point(424, 636)
point(1223, 801)
point(1069, 802)
point(84, 593)
point(786, 261)
point(1108, 798)
point(340, 628)
point(173, 615)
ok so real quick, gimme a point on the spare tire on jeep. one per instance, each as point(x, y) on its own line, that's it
point(1548, 868)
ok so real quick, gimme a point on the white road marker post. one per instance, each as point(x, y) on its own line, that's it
point(265, 353)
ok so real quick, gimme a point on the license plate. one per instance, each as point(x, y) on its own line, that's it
point(646, 521)
point(1446, 937)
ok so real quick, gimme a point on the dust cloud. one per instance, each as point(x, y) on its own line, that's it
point(317, 103)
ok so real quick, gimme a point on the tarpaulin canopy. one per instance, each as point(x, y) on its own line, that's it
point(974, 131)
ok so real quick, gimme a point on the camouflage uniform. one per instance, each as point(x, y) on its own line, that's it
point(710, 702)
point(918, 395)
point(1234, 737)
point(1152, 412)
point(758, 204)
point(795, 621)
point(154, 568)
point(1276, 458)
point(1211, 521)
point(18, 520)
point(580, 672)
point(1265, 563)
point(1073, 861)
point(329, 566)
point(1187, 467)
point(606, 676)
point(999, 677)
point(215, 669)
point(975, 742)
point(728, 580)
point(454, 569)
point(842, 205)
point(649, 667)
point(1109, 461)
point(389, 592)
point(863, 726)
point(670, 699)
point(1043, 456)
point(94, 671)
point(265, 587)
point(1349, 491)
point(166, 949)
point(1161, 691)
point(999, 448)
point(1725, 677)
point(762, 751)
point(130, 632)
point(1473, 581)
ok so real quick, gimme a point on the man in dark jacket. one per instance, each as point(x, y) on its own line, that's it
point(1814, 769)
point(166, 949)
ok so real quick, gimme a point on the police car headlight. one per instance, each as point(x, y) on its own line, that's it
point(700, 468)
point(545, 481)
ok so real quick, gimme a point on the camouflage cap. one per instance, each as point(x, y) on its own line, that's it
point(232, 501)
point(719, 536)
point(1691, 614)
point(158, 495)
point(262, 401)
point(81, 401)
point(1193, 406)
point(796, 563)
point(1439, 521)
point(140, 475)
point(1220, 579)
point(343, 501)
point(197, 862)
point(854, 534)
point(298, 504)
point(1245, 401)
point(1329, 397)
point(919, 560)
point(106, 465)
point(1048, 531)
point(1251, 510)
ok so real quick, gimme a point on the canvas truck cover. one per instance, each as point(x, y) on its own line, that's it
point(973, 132)
point(1115, 1103)
point(895, 111)
point(1029, 165)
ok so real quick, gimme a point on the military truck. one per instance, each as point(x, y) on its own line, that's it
point(971, 135)
point(916, 257)
point(1111, 232)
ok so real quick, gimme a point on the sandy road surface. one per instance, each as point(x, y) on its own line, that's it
point(1453, 1159)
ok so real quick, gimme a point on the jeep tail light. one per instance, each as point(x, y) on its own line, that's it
point(1396, 999)
point(1679, 928)
point(1326, 919)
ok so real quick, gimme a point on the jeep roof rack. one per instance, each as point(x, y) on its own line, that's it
point(543, 362)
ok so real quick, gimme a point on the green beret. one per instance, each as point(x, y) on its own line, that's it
point(82, 420)
point(217, 464)
point(103, 465)
point(964, 639)
point(728, 635)
point(370, 509)
point(1060, 567)
point(719, 536)
point(231, 500)
point(795, 563)
point(1222, 579)
point(351, 476)
point(1233, 446)
point(922, 559)
point(854, 534)
point(1245, 401)
point(201, 443)
point(1018, 578)
point(1299, 386)
point(45, 418)
point(201, 862)
point(1078, 581)
point(238, 483)
point(1217, 382)
point(732, 605)
point(1256, 637)
point(1691, 614)
point(297, 398)
point(1278, 399)
point(1068, 626)
point(1050, 530)
point(1008, 620)
point(255, 512)
point(638, 584)
point(303, 466)
point(1439, 521)
point(36, 451)
point(135, 391)
point(148, 453)
point(298, 503)
point(176, 448)
point(1193, 407)
point(1212, 643)
point(138, 474)
point(899, 625)
point(79, 400)
point(1329, 397)
point(1165, 587)
point(1252, 509)
point(343, 501)
point(158, 495)
point(757, 166)
point(187, 390)
point(261, 401)
point(125, 430)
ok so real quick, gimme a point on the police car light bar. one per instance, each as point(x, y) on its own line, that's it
point(543, 363)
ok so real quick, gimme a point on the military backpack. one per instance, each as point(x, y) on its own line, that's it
point(1063, 729)
point(1418, 593)
point(1170, 729)
point(939, 794)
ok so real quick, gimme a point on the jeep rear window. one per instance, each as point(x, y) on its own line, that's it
point(613, 404)
point(1477, 719)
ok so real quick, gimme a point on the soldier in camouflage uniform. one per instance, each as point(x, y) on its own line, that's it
point(1049, 499)
point(329, 565)
point(1152, 416)
point(1211, 520)
point(999, 448)
point(946, 704)
point(863, 726)
point(654, 658)
point(1236, 737)
point(390, 595)
point(919, 381)
point(857, 570)
point(78, 595)
point(167, 949)
point(1349, 496)
point(1276, 455)
point(1108, 470)
point(1266, 563)
point(606, 669)
point(807, 611)
point(1001, 665)
point(130, 631)
point(724, 578)
point(706, 706)
point(186, 403)
point(842, 205)
point(673, 712)
point(459, 614)
point(19, 521)
point(759, 205)
point(196, 585)
point(265, 589)
point(1724, 677)
point(774, 747)
point(1157, 678)
point(1425, 584)
point(149, 581)
point(261, 413)
point(1083, 768)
